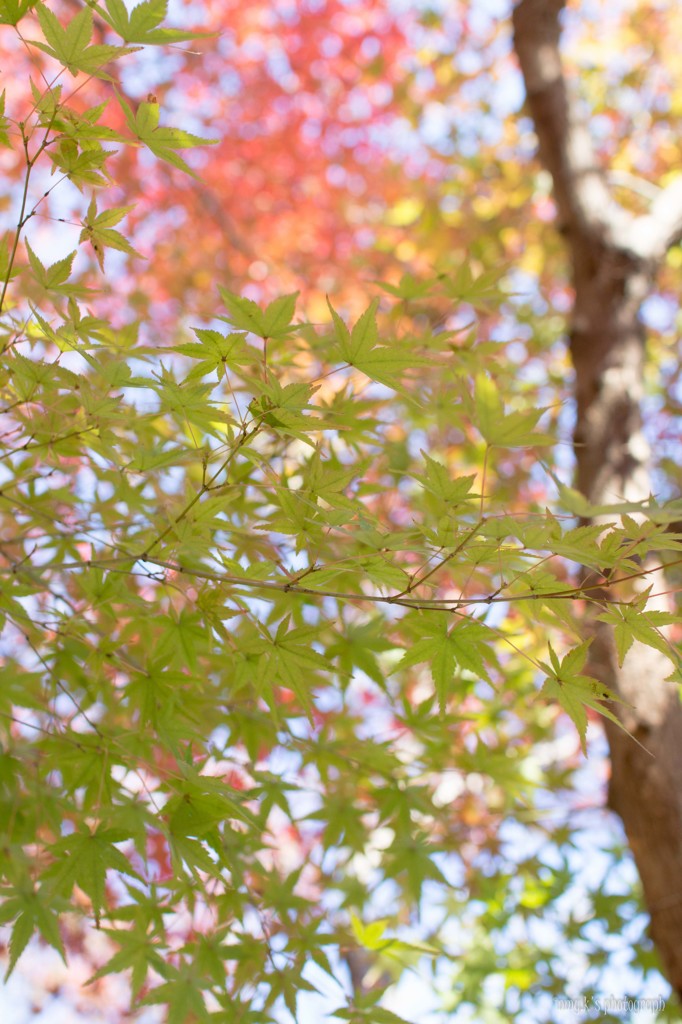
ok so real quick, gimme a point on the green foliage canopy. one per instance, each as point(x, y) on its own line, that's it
point(250, 624)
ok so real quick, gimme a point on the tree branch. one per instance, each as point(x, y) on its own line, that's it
point(656, 231)
point(587, 209)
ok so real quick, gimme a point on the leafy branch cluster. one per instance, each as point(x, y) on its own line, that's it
point(216, 554)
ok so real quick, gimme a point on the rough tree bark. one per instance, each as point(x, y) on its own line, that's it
point(614, 257)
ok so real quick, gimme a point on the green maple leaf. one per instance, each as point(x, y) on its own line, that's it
point(161, 141)
point(84, 858)
point(464, 646)
point(143, 23)
point(138, 953)
point(183, 996)
point(634, 622)
point(31, 909)
point(98, 229)
point(244, 314)
point(12, 11)
point(273, 322)
point(54, 277)
point(217, 352)
point(70, 44)
point(360, 348)
point(509, 430)
point(364, 336)
point(439, 482)
point(574, 691)
point(278, 316)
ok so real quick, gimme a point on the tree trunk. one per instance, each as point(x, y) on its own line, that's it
point(614, 256)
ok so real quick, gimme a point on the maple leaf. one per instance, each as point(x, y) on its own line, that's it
point(143, 23)
point(575, 692)
point(161, 141)
point(70, 44)
point(99, 231)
